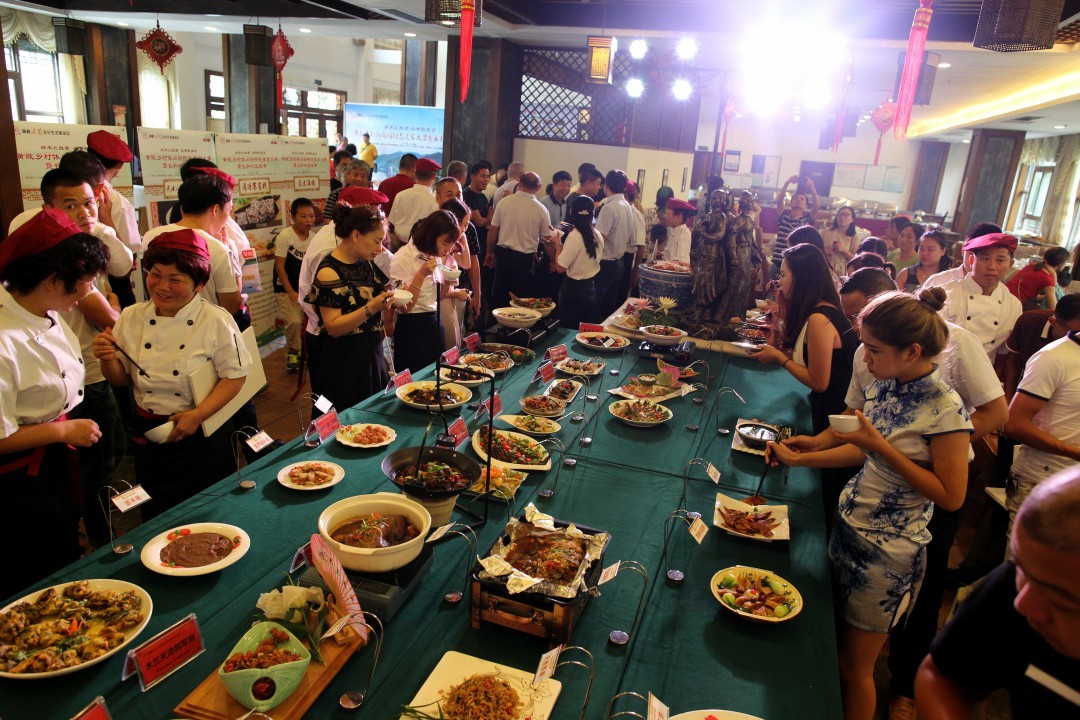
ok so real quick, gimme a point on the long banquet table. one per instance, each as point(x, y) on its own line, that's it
point(688, 651)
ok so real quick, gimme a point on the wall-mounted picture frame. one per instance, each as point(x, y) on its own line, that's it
point(732, 160)
point(685, 178)
point(641, 182)
point(664, 181)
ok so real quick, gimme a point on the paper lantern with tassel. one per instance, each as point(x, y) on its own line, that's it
point(883, 118)
point(909, 81)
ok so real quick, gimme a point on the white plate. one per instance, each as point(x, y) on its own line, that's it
point(779, 513)
point(718, 714)
point(663, 339)
point(620, 341)
point(638, 423)
point(151, 552)
point(444, 372)
point(454, 668)
point(146, 607)
point(462, 392)
point(557, 412)
point(512, 420)
point(577, 388)
point(478, 448)
point(736, 570)
point(339, 474)
point(466, 357)
point(344, 441)
point(561, 367)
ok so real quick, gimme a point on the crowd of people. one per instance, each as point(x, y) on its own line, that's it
point(928, 359)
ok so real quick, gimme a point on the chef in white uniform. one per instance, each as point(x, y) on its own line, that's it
point(45, 267)
point(980, 302)
point(167, 339)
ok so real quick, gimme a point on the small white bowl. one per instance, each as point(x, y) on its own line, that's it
point(160, 433)
point(514, 317)
point(402, 297)
point(844, 423)
point(762, 304)
point(449, 274)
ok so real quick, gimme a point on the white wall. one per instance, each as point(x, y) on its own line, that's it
point(949, 194)
point(547, 157)
point(654, 162)
point(333, 60)
point(202, 52)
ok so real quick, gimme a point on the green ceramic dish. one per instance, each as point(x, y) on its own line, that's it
point(286, 676)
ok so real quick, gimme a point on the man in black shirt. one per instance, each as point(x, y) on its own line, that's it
point(1020, 628)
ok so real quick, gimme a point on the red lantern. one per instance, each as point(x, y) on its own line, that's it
point(280, 51)
point(883, 118)
point(909, 80)
point(159, 47)
point(468, 16)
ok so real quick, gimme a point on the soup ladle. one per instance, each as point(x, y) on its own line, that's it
point(354, 699)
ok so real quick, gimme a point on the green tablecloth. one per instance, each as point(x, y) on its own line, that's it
point(688, 651)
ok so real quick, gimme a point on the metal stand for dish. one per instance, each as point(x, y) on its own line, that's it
point(305, 427)
point(247, 432)
point(482, 519)
point(618, 371)
point(693, 427)
point(701, 463)
point(589, 666)
point(556, 443)
point(621, 637)
point(586, 438)
point(674, 576)
point(354, 700)
point(710, 336)
point(454, 596)
point(105, 496)
point(716, 410)
point(625, 713)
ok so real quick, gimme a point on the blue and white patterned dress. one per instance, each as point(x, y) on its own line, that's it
point(878, 546)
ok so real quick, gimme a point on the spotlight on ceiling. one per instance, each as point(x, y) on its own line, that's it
point(305, 30)
point(1059, 127)
point(635, 87)
point(638, 49)
point(944, 65)
point(686, 49)
point(682, 89)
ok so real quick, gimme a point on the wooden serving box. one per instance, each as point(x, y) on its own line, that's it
point(550, 618)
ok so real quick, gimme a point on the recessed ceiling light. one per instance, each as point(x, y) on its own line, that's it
point(865, 117)
point(942, 66)
point(305, 30)
point(682, 89)
point(686, 49)
point(410, 34)
point(122, 24)
point(638, 49)
point(634, 87)
point(210, 29)
point(966, 142)
point(1059, 127)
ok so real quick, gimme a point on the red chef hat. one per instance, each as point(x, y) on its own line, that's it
point(216, 173)
point(427, 165)
point(109, 146)
point(352, 196)
point(42, 232)
point(992, 240)
point(186, 239)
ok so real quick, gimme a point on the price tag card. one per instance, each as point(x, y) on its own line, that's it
point(336, 627)
point(686, 389)
point(546, 668)
point(713, 473)
point(96, 710)
point(326, 425)
point(546, 372)
point(323, 404)
point(398, 379)
point(472, 342)
point(260, 441)
point(610, 342)
point(698, 530)
point(556, 353)
point(459, 431)
point(589, 327)
point(486, 406)
point(451, 356)
point(657, 709)
point(301, 557)
point(609, 573)
point(128, 499)
point(165, 653)
point(438, 534)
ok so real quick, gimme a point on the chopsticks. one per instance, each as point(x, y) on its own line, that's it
point(132, 361)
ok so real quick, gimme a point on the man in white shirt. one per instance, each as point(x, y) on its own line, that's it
point(945, 277)
point(513, 239)
point(615, 221)
point(414, 203)
point(513, 176)
point(113, 153)
point(980, 302)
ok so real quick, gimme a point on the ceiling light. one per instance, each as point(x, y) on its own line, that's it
point(865, 117)
point(638, 49)
point(686, 49)
point(1059, 127)
point(122, 24)
point(966, 142)
point(738, 115)
point(942, 66)
point(682, 89)
point(410, 34)
point(305, 30)
point(210, 29)
point(634, 87)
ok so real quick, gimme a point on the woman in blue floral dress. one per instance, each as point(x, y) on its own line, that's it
point(913, 443)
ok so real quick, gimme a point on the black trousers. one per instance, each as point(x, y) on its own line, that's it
point(577, 303)
point(513, 274)
point(607, 286)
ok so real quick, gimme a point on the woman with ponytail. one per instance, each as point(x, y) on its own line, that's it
point(577, 255)
point(913, 442)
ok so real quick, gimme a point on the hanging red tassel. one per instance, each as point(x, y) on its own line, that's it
point(729, 112)
point(909, 81)
point(883, 118)
point(468, 17)
point(281, 50)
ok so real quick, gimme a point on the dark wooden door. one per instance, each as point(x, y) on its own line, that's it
point(988, 177)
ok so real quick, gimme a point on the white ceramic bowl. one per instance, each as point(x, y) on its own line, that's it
point(160, 433)
point(449, 274)
point(375, 559)
point(762, 304)
point(844, 423)
point(544, 311)
point(663, 339)
point(514, 317)
point(402, 297)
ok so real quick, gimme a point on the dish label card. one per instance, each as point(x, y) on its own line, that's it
point(548, 663)
point(713, 473)
point(610, 342)
point(326, 425)
point(165, 653)
point(472, 342)
point(657, 709)
point(301, 557)
point(486, 406)
point(459, 431)
point(328, 565)
point(589, 327)
point(439, 532)
point(609, 573)
point(131, 498)
point(556, 353)
point(94, 711)
point(398, 379)
point(323, 404)
point(686, 390)
point(546, 372)
point(698, 530)
point(260, 441)
point(451, 356)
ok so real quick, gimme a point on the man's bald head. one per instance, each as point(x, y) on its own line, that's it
point(1050, 515)
point(530, 182)
point(514, 170)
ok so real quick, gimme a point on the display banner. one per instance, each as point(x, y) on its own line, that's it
point(162, 152)
point(40, 145)
point(395, 130)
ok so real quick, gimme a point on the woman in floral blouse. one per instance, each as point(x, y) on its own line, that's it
point(914, 445)
point(349, 294)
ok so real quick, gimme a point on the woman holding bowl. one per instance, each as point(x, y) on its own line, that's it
point(167, 339)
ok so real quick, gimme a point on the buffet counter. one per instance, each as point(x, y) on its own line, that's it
point(688, 651)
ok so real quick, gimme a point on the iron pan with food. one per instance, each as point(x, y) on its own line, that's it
point(399, 460)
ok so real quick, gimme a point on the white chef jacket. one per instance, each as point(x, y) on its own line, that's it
point(223, 270)
point(411, 205)
point(678, 244)
point(171, 348)
point(990, 318)
point(944, 277)
point(318, 248)
point(124, 220)
point(41, 370)
point(407, 261)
